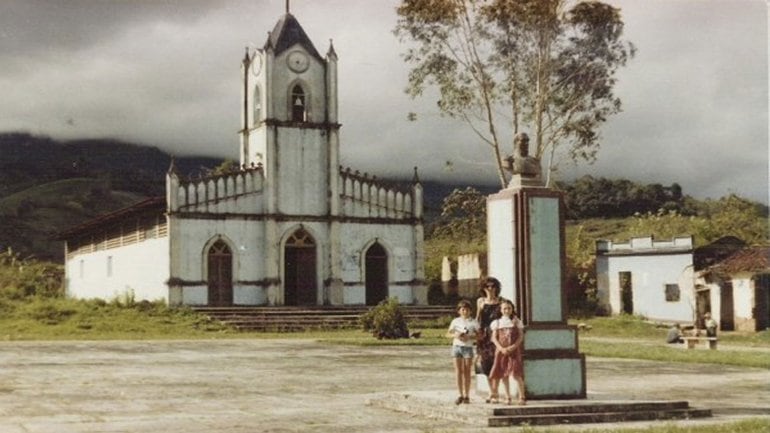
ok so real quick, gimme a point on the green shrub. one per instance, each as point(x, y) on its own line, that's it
point(49, 313)
point(386, 320)
point(23, 278)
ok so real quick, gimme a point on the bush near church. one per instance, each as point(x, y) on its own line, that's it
point(386, 320)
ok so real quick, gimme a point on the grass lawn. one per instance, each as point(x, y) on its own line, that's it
point(66, 319)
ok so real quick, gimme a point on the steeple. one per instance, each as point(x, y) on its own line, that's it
point(287, 32)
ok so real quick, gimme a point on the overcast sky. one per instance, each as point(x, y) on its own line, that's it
point(166, 73)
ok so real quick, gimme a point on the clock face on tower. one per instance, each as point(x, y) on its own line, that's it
point(298, 61)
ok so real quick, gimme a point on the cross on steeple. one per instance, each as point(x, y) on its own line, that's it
point(287, 6)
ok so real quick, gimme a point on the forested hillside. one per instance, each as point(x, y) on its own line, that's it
point(47, 186)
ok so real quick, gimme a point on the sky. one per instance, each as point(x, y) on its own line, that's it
point(166, 73)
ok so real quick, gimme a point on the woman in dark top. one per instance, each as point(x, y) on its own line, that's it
point(487, 310)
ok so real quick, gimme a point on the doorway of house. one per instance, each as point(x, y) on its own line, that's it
point(726, 307)
point(762, 299)
point(376, 268)
point(220, 273)
point(300, 287)
point(626, 293)
point(702, 304)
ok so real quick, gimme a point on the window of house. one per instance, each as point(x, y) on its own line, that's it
point(298, 106)
point(672, 292)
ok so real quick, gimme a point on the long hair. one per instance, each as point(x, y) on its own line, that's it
point(489, 281)
point(513, 308)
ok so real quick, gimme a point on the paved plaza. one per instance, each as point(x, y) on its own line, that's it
point(246, 386)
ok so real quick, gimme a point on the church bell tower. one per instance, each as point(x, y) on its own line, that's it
point(289, 122)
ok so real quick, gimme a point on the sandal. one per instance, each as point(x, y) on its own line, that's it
point(493, 399)
point(522, 402)
point(508, 401)
point(466, 400)
point(459, 400)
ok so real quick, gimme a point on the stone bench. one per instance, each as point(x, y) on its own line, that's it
point(691, 342)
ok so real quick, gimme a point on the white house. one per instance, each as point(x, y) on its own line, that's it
point(646, 277)
point(673, 281)
point(736, 290)
point(290, 227)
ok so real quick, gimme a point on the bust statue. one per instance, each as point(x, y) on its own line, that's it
point(520, 163)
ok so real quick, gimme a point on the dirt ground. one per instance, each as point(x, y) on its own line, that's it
point(234, 386)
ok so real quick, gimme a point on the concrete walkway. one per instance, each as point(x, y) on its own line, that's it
point(240, 386)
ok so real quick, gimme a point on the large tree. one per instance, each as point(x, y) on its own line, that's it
point(545, 67)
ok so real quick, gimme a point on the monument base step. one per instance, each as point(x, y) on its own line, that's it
point(438, 405)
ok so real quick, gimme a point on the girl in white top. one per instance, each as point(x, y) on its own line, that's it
point(463, 331)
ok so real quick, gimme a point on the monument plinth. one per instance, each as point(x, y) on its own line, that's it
point(525, 232)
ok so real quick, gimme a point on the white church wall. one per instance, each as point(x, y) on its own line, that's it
point(246, 239)
point(139, 270)
point(302, 175)
point(398, 241)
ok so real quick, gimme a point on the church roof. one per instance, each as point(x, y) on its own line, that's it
point(288, 32)
point(150, 205)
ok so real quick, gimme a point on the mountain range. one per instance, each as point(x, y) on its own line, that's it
point(47, 185)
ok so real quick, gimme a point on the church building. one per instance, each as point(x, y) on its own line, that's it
point(289, 227)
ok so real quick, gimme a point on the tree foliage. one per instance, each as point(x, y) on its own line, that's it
point(25, 277)
point(728, 216)
point(463, 216)
point(546, 67)
point(590, 197)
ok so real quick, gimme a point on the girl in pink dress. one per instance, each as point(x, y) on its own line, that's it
point(508, 338)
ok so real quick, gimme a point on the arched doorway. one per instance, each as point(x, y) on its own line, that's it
point(376, 266)
point(300, 270)
point(220, 271)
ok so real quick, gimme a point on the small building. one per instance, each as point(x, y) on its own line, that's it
point(646, 277)
point(736, 290)
point(672, 281)
point(289, 227)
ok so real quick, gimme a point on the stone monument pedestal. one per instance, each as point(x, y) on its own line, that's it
point(525, 232)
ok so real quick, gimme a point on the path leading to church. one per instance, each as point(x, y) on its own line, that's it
point(246, 386)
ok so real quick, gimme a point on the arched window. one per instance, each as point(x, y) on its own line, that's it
point(257, 105)
point(298, 107)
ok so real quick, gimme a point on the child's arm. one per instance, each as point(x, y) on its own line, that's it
point(496, 342)
point(520, 337)
point(451, 332)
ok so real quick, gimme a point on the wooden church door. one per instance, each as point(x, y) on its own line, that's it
point(220, 270)
point(300, 286)
point(376, 265)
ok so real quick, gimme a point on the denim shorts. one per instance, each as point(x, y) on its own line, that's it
point(462, 352)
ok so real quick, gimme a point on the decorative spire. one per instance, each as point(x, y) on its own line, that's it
point(287, 7)
point(331, 54)
point(416, 178)
point(172, 166)
point(246, 58)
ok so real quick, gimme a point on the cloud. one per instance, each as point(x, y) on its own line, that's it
point(166, 73)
